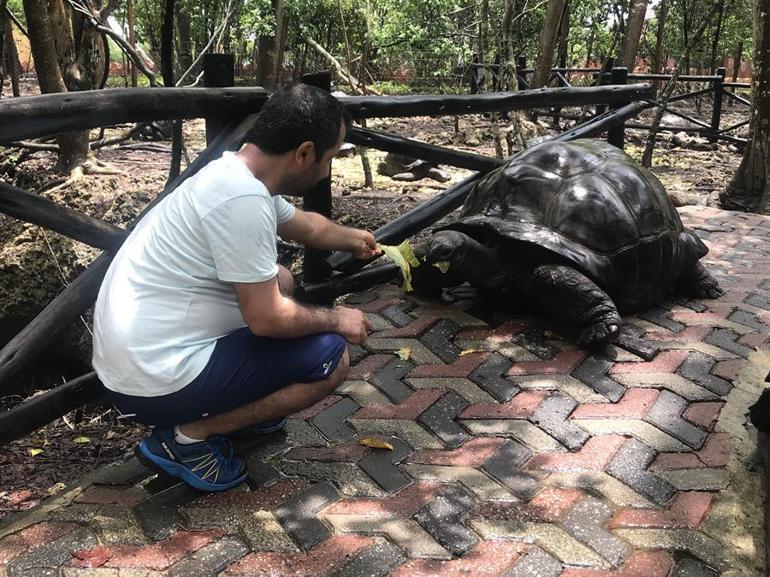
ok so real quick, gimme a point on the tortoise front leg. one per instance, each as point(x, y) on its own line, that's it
point(572, 298)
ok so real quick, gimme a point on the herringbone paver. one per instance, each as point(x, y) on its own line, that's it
point(514, 453)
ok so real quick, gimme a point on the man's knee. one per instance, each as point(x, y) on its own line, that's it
point(338, 376)
point(285, 281)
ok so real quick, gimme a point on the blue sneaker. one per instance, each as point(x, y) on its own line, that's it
point(263, 428)
point(200, 465)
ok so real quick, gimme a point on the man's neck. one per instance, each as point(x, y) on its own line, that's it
point(266, 168)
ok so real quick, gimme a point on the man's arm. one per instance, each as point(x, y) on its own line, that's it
point(268, 313)
point(316, 231)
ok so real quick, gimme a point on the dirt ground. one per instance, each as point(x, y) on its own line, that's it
point(63, 451)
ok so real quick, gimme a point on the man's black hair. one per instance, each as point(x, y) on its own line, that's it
point(295, 114)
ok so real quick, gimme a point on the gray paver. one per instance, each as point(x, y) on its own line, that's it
point(630, 466)
point(693, 568)
point(298, 515)
point(442, 518)
point(380, 465)
point(505, 465)
point(696, 367)
point(660, 317)
point(389, 380)
point(439, 340)
point(489, 376)
point(552, 415)
point(376, 561)
point(439, 419)
point(728, 340)
point(331, 421)
point(536, 563)
point(666, 413)
point(211, 559)
point(593, 372)
point(585, 522)
point(158, 514)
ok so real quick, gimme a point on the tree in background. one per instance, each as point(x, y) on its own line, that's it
point(750, 187)
point(70, 54)
point(633, 33)
point(548, 38)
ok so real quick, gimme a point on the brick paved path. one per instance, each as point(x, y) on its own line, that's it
point(514, 454)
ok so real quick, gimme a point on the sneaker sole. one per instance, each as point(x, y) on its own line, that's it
point(168, 467)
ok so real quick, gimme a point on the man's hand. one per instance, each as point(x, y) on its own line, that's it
point(352, 324)
point(363, 245)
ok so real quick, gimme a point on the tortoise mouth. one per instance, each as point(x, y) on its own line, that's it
point(444, 246)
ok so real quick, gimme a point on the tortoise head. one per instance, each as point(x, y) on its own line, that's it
point(467, 257)
point(447, 246)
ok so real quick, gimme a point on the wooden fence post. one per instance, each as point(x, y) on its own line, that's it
point(617, 135)
point(318, 199)
point(716, 113)
point(521, 78)
point(218, 72)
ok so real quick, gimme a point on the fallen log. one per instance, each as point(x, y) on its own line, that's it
point(403, 106)
point(33, 116)
point(421, 150)
point(328, 290)
point(37, 209)
point(43, 409)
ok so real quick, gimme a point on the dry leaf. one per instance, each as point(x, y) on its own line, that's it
point(375, 443)
point(469, 351)
point(404, 353)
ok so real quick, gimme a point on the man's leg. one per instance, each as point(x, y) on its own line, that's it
point(282, 402)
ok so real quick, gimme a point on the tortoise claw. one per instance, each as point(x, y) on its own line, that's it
point(601, 332)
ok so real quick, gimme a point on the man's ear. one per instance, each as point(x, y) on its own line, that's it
point(305, 154)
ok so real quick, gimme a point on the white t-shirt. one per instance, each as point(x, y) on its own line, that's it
point(168, 295)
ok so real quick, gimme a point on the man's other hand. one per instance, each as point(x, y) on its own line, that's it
point(352, 324)
point(363, 246)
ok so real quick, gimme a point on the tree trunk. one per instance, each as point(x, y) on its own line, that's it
point(717, 34)
point(564, 37)
point(281, 27)
point(686, 25)
point(737, 61)
point(548, 42)
point(633, 33)
point(183, 41)
point(3, 35)
point(657, 62)
point(49, 75)
point(590, 41)
point(131, 37)
point(271, 50)
point(750, 187)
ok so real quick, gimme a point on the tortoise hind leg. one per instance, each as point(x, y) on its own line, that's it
point(571, 297)
point(699, 284)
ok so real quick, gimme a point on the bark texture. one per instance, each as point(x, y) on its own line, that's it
point(750, 187)
point(633, 33)
point(548, 37)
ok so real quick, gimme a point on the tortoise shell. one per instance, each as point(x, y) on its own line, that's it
point(588, 203)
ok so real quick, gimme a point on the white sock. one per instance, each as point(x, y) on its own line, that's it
point(183, 439)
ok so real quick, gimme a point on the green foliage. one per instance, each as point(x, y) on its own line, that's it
point(418, 43)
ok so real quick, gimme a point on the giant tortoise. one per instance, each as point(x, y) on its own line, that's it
point(578, 228)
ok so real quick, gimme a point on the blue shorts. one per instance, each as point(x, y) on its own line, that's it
point(242, 369)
